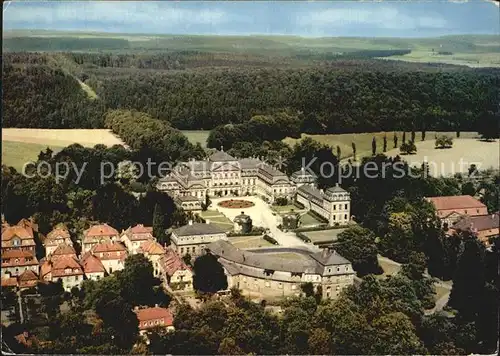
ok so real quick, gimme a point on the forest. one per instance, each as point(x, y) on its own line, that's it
point(331, 96)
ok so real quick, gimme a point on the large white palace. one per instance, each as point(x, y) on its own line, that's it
point(223, 175)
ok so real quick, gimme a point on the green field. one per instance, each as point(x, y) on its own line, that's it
point(195, 136)
point(324, 236)
point(309, 219)
point(218, 219)
point(249, 242)
point(16, 154)
point(363, 141)
point(470, 50)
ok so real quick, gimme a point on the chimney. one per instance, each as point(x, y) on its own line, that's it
point(221, 148)
point(207, 221)
point(136, 308)
point(156, 305)
point(324, 253)
point(190, 222)
point(336, 184)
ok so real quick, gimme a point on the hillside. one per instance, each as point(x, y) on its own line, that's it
point(471, 50)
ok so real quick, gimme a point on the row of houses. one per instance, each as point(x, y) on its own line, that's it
point(103, 251)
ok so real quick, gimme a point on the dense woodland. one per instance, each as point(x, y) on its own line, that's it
point(332, 96)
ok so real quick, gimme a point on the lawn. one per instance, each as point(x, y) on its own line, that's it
point(324, 236)
point(243, 242)
point(280, 209)
point(16, 154)
point(195, 136)
point(389, 268)
point(309, 219)
point(363, 141)
point(218, 219)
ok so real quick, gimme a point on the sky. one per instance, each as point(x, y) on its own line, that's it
point(402, 18)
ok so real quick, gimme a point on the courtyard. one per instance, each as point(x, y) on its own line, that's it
point(262, 215)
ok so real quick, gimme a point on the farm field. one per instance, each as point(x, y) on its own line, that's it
point(195, 136)
point(447, 162)
point(16, 154)
point(363, 141)
point(62, 137)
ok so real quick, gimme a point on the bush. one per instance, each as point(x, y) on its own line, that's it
point(444, 141)
point(281, 201)
point(270, 239)
point(303, 237)
point(408, 148)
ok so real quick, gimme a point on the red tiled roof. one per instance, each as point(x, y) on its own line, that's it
point(171, 262)
point(479, 223)
point(152, 248)
point(109, 247)
point(18, 258)
point(58, 232)
point(455, 202)
point(17, 254)
point(155, 313)
point(60, 265)
point(64, 249)
point(28, 279)
point(100, 230)
point(141, 229)
point(9, 282)
point(91, 264)
point(19, 231)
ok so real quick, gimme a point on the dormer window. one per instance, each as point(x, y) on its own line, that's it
point(16, 242)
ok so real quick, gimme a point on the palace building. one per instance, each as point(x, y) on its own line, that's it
point(223, 175)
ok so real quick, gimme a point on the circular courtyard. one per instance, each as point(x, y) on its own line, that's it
point(236, 204)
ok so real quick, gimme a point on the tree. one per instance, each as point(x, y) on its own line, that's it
point(399, 239)
point(423, 133)
point(444, 142)
point(187, 259)
point(357, 244)
point(468, 280)
point(209, 274)
point(408, 148)
point(159, 225)
point(468, 189)
point(395, 140)
point(412, 135)
point(137, 280)
point(404, 137)
point(458, 133)
point(339, 152)
point(396, 335)
point(385, 143)
point(374, 146)
point(353, 150)
point(319, 342)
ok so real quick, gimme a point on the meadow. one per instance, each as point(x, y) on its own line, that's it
point(197, 136)
point(23, 145)
point(363, 141)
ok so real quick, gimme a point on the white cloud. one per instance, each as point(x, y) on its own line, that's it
point(147, 14)
point(381, 17)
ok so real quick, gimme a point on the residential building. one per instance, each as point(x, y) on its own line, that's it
point(224, 175)
point(153, 251)
point(175, 272)
point(135, 236)
point(28, 279)
point(18, 237)
point(61, 251)
point(92, 266)
point(334, 205)
point(265, 272)
point(194, 237)
point(150, 318)
point(450, 208)
point(17, 261)
point(58, 236)
point(65, 268)
point(98, 234)
point(111, 254)
point(484, 227)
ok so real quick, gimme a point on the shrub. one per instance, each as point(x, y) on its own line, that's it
point(281, 201)
point(444, 141)
point(408, 148)
point(270, 239)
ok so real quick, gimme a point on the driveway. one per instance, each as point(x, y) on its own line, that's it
point(261, 215)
